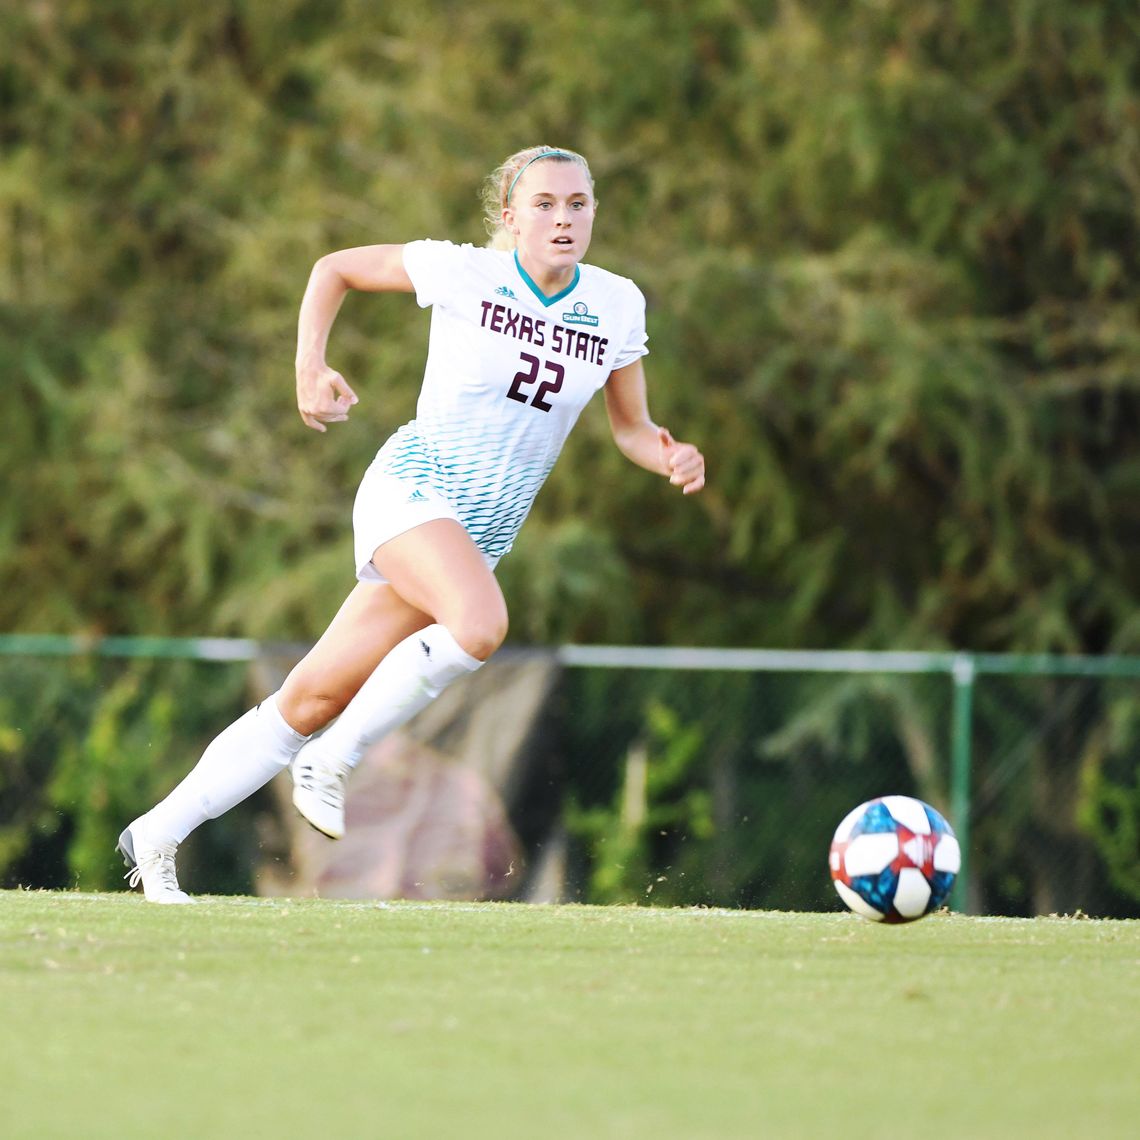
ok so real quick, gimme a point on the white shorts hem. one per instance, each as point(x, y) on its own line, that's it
point(386, 507)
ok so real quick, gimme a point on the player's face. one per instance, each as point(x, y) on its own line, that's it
point(552, 217)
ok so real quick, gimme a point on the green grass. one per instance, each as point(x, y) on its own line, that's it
point(275, 1018)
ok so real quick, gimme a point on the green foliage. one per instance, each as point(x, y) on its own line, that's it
point(85, 746)
point(1109, 807)
point(725, 789)
point(1055, 758)
point(39, 708)
point(659, 795)
point(890, 251)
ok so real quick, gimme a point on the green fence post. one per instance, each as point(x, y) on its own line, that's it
point(964, 671)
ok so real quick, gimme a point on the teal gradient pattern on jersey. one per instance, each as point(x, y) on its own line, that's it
point(510, 463)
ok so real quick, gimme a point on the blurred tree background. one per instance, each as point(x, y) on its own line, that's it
point(890, 250)
point(889, 247)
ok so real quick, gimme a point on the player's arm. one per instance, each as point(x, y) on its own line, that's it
point(641, 440)
point(323, 394)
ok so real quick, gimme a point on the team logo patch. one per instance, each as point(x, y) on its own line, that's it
point(504, 291)
point(580, 316)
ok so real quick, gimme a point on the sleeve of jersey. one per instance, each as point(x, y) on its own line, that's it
point(436, 268)
point(636, 342)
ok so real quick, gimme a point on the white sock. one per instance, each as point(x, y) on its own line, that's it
point(238, 761)
point(413, 674)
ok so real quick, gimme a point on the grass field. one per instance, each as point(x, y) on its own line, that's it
point(274, 1018)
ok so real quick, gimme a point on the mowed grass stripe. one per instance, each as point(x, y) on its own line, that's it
point(301, 1017)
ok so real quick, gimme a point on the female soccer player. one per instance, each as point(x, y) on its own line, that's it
point(522, 335)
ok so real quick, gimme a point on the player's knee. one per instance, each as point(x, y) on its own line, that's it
point(308, 711)
point(480, 634)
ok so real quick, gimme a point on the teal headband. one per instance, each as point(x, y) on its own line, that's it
point(544, 154)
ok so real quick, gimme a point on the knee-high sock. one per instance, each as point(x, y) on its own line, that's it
point(241, 759)
point(413, 674)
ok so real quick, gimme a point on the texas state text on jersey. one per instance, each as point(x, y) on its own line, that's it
point(508, 372)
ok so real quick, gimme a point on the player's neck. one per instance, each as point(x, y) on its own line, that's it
point(551, 279)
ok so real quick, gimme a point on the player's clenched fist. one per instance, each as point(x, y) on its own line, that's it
point(323, 397)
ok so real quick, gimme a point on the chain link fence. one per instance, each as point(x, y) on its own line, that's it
point(682, 777)
point(718, 777)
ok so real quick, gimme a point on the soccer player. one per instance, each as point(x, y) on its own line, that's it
point(522, 335)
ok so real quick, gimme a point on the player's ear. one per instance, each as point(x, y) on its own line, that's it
point(509, 220)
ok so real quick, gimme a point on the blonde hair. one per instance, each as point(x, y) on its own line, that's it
point(497, 188)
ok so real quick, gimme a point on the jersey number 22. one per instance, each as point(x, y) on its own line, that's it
point(548, 387)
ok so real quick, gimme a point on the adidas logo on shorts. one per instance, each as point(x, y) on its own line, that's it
point(417, 496)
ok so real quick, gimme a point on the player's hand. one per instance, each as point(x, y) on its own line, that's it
point(323, 396)
point(684, 463)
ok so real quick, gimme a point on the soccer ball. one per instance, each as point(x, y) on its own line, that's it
point(894, 859)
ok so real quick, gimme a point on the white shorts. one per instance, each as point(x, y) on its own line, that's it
point(385, 507)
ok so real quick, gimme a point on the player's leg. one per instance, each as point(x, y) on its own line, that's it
point(259, 744)
point(235, 764)
point(373, 620)
point(439, 571)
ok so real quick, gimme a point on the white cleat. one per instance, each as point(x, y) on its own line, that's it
point(151, 864)
point(318, 793)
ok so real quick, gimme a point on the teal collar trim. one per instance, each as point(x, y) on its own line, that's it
point(547, 301)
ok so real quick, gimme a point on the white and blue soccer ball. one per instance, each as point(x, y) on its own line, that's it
point(894, 859)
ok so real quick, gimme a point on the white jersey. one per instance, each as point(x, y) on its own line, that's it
point(508, 372)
